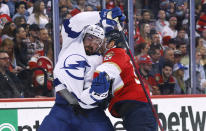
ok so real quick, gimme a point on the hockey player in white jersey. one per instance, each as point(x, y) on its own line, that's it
point(76, 106)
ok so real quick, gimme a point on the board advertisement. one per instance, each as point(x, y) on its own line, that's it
point(175, 114)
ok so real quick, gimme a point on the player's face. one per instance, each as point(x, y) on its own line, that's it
point(91, 44)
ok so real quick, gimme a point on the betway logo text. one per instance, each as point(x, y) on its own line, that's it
point(9, 126)
point(178, 121)
point(174, 119)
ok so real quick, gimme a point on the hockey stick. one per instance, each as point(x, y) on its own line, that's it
point(139, 76)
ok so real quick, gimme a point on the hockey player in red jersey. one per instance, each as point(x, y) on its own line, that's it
point(128, 100)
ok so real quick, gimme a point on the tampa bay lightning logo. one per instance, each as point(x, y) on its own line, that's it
point(75, 66)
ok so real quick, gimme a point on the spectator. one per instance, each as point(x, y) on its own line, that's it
point(164, 5)
point(137, 18)
point(155, 55)
point(69, 4)
point(156, 41)
point(199, 41)
point(180, 11)
point(201, 22)
point(168, 55)
point(179, 75)
point(49, 27)
point(170, 10)
point(38, 16)
point(185, 26)
point(171, 29)
point(178, 56)
point(30, 4)
point(153, 5)
point(47, 44)
point(145, 34)
point(165, 41)
point(20, 10)
point(42, 77)
point(198, 8)
point(4, 9)
point(146, 18)
point(4, 18)
point(145, 67)
point(10, 85)
point(161, 22)
point(182, 46)
point(8, 31)
point(8, 46)
point(172, 44)
point(140, 50)
point(63, 13)
point(110, 4)
point(81, 5)
point(203, 35)
point(19, 20)
point(11, 5)
point(199, 46)
point(89, 8)
point(33, 44)
point(181, 34)
point(26, 28)
point(20, 48)
point(203, 59)
point(95, 4)
point(165, 80)
point(200, 76)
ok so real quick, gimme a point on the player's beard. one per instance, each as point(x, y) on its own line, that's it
point(89, 50)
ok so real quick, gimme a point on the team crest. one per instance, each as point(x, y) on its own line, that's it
point(157, 78)
point(40, 63)
point(109, 56)
point(75, 66)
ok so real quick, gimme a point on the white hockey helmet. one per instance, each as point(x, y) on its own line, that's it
point(95, 30)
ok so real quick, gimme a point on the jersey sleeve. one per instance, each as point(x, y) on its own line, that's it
point(86, 99)
point(112, 69)
point(72, 28)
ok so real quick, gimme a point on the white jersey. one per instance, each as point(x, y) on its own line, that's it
point(167, 31)
point(4, 9)
point(74, 68)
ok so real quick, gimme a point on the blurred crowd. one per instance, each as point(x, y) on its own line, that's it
point(161, 44)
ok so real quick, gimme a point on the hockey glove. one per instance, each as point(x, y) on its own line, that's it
point(109, 18)
point(100, 87)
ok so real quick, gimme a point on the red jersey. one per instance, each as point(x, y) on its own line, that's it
point(166, 86)
point(126, 85)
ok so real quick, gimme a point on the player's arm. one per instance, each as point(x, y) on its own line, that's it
point(73, 27)
point(95, 94)
point(105, 17)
